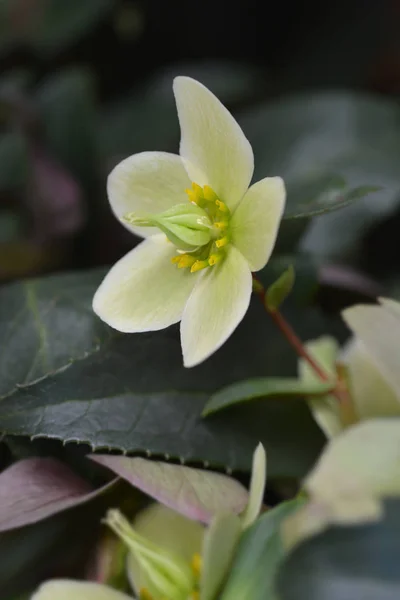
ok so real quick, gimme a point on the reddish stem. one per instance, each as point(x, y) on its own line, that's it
point(340, 391)
point(296, 342)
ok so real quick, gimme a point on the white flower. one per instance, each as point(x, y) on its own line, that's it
point(372, 360)
point(208, 288)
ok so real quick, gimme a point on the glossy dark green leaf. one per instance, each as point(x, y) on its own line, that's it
point(264, 387)
point(357, 563)
point(258, 557)
point(331, 149)
point(131, 392)
point(44, 324)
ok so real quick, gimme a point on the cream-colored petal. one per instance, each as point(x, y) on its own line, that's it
point(66, 589)
point(373, 396)
point(169, 530)
point(147, 183)
point(213, 146)
point(255, 223)
point(215, 308)
point(378, 328)
point(257, 487)
point(144, 291)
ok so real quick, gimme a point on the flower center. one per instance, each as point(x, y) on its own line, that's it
point(219, 215)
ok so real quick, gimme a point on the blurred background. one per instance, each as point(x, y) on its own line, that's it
point(84, 83)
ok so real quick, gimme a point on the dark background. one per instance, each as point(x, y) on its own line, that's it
point(84, 84)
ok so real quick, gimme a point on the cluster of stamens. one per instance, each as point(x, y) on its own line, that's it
point(219, 215)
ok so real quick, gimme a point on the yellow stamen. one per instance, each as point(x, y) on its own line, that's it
point(192, 196)
point(145, 594)
point(222, 242)
point(221, 224)
point(214, 259)
point(198, 265)
point(175, 259)
point(196, 564)
point(195, 596)
point(186, 261)
point(222, 206)
point(196, 194)
point(197, 189)
point(209, 194)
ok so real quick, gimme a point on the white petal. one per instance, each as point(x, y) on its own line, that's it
point(373, 396)
point(378, 328)
point(147, 183)
point(144, 291)
point(215, 308)
point(65, 589)
point(213, 146)
point(257, 486)
point(255, 223)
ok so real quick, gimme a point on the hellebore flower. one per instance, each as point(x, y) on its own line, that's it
point(205, 230)
point(372, 361)
point(170, 556)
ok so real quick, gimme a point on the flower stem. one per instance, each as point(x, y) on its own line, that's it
point(340, 391)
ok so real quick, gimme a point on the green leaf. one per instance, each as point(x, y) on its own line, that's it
point(258, 557)
point(280, 289)
point(220, 542)
point(306, 267)
point(256, 389)
point(331, 149)
point(357, 562)
point(131, 392)
point(44, 324)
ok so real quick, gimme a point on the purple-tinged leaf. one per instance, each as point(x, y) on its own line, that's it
point(195, 493)
point(36, 488)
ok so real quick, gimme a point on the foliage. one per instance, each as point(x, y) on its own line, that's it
point(92, 419)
